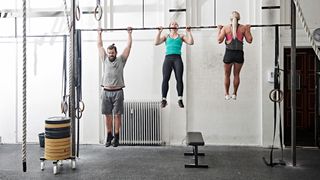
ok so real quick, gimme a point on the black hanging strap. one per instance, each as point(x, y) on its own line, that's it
point(271, 162)
point(79, 105)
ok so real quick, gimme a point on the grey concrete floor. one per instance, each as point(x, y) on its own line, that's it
point(165, 162)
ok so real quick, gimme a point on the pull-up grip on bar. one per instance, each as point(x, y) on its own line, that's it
point(191, 27)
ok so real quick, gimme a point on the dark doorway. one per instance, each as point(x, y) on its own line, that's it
point(306, 106)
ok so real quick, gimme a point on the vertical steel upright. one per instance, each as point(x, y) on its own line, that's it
point(293, 83)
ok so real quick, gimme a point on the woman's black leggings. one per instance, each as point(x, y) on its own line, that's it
point(172, 61)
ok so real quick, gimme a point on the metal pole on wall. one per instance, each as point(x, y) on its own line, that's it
point(142, 13)
point(71, 75)
point(293, 83)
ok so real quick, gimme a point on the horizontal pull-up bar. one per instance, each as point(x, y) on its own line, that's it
point(150, 28)
point(36, 36)
point(177, 10)
point(192, 27)
point(272, 25)
point(270, 7)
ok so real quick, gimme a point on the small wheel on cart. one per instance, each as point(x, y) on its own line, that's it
point(42, 165)
point(55, 169)
point(73, 164)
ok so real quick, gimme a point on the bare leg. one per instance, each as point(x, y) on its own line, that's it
point(108, 119)
point(117, 123)
point(227, 72)
point(236, 74)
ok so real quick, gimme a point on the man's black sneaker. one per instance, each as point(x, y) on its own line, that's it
point(163, 103)
point(115, 142)
point(108, 141)
point(180, 103)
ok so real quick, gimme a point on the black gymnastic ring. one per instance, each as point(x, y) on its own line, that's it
point(80, 109)
point(96, 10)
point(78, 13)
point(271, 95)
point(79, 116)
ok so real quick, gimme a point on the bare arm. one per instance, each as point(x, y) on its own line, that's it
point(188, 39)
point(126, 50)
point(159, 39)
point(102, 52)
point(221, 34)
point(247, 34)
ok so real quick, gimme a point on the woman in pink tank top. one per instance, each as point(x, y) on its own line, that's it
point(233, 35)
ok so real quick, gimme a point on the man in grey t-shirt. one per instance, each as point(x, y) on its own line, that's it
point(113, 82)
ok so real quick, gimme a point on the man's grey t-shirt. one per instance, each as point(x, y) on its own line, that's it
point(113, 73)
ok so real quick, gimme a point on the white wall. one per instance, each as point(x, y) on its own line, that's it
point(246, 121)
point(220, 121)
point(8, 93)
point(8, 81)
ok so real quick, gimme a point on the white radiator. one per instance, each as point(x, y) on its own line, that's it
point(141, 123)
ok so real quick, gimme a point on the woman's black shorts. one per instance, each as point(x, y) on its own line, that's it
point(233, 56)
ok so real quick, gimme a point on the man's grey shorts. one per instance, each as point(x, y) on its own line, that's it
point(112, 102)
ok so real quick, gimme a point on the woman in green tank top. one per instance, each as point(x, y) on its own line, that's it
point(173, 59)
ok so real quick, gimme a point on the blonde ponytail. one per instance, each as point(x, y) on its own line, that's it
point(235, 17)
point(234, 27)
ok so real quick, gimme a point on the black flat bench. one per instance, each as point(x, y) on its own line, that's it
point(195, 139)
